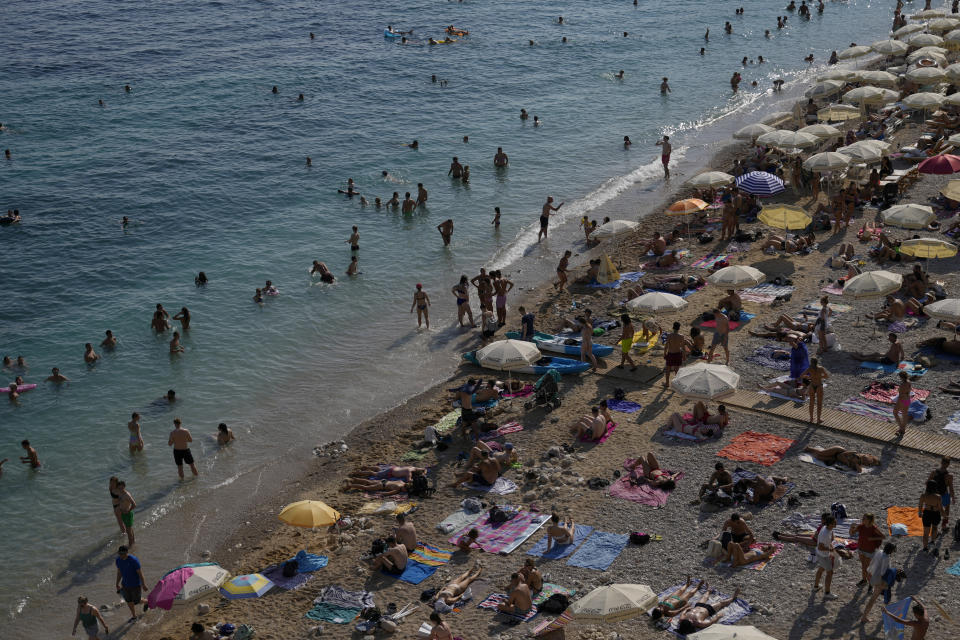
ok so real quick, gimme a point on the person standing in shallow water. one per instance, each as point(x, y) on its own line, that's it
point(665, 150)
point(180, 440)
point(545, 213)
point(421, 302)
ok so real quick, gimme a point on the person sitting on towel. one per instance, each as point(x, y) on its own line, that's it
point(466, 541)
point(849, 459)
point(393, 560)
point(490, 392)
point(592, 426)
point(735, 555)
point(893, 355)
point(666, 261)
point(700, 417)
point(506, 457)
point(703, 614)
point(560, 534)
point(485, 473)
point(720, 480)
point(531, 575)
point(521, 601)
point(731, 304)
point(652, 472)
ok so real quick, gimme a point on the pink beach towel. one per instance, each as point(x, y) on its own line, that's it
point(503, 538)
point(642, 493)
point(610, 427)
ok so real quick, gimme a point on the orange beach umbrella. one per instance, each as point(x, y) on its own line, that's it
point(686, 207)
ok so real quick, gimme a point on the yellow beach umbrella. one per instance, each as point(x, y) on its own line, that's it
point(928, 248)
point(251, 585)
point(908, 216)
point(952, 190)
point(784, 216)
point(309, 514)
point(686, 207)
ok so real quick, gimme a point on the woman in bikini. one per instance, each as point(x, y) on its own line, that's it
point(902, 403)
point(930, 510)
point(560, 534)
point(654, 475)
point(678, 600)
point(849, 459)
point(382, 487)
point(451, 593)
point(736, 557)
point(462, 292)
point(817, 375)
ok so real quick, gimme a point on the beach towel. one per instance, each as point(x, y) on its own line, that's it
point(765, 293)
point(953, 570)
point(642, 493)
point(623, 406)
point(734, 324)
point(275, 573)
point(763, 356)
point(939, 355)
point(495, 599)
point(860, 407)
point(626, 276)
point(337, 595)
point(953, 423)
point(550, 589)
point(501, 487)
point(833, 289)
point(762, 448)
point(906, 516)
point(327, 612)
point(778, 493)
point(906, 365)
point(893, 630)
point(806, 457)
point(430, 555)
point(877, 391)
point(414, 573)
point(506, 537)
point(309, 562)
point(458, 520)
point(810, 522)
point(523, 393)
point(738, 247)
point(652, 266)
point(760, 565)
point(732, 613)
point(557, 551)
point(610, 427)
point(686, 293)
point(679, 435)
point(447, 422)
point(510, 427)
point(836, 307)
point(599, 551)
point(709, 260)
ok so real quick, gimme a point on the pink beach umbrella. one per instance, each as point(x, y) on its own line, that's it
point(942, 164)
point(186, 583)
point(166, 590)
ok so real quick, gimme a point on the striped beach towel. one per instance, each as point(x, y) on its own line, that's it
point(494, 599)
point(550, 589)
point(764, 293)
point(708, 261)
point(430, 555)
point(504, 538)
point(860, 407)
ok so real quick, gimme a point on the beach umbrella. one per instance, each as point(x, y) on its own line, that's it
point(928, 14)
point(736, 276)
point(872, 284)
point(824, 88)
point(821, 131)
point(711, 179)
point(837, 73)
point(880, 78)
point(838, 113)
point(760, 183)
point(310, 513)
point(686, 207)
point(942, 164)
point(954, 100)
point(788, 139)
point(924, 99)
point(827, 161)
point(863, 153)
point(910, 29)
point(952, 190)
point(613, 603)
point(752, 131)
point(853, 52)
point(777, 118)
point(657, 302)
point(952, 38)
point(890, 47)
point(909, 216)
point(784, 216)
point(730, 632)
point(702, 380)
point(953, 72)
point(185, 583)
point(925, 75)
point(251, 585)
point(508, 354)
point(925, 40)
point(614, 228)
point(940, 25)
point(928, 248)
point(870, 95)
point(947, 309)
point(933, 55)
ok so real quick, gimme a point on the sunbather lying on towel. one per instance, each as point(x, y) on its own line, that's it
point(383, 487)
point(506, 457)
point(678, 600)
point(779, 334)
point(735, 555)
point(951, 346)
point(560, 534)
point(653, 474)
point(389, 472)
point(810, 540)
point(790, 388)
point(674, 284)
point(703, 614)
point(789, 323)
point(451, 593)
point(593, 426)
point(484, 473)
point(790, 246)
point(763, 487)
point(893, 354)
point(851, 459)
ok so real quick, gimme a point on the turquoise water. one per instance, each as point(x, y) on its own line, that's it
point(210, 165)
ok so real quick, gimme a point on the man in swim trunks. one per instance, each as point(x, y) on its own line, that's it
point(677, 601)
point(456, 169)
point(893, 355)
point(31, 458)
point(126, 507)
point(446, 231)
point(393, 560)
point(421, 301)
point(703, 614)
point(56, 376)
point(421, 194)
point(136, 438)
point(739, 531)
point(720, 480)
point(721, 335)
point(180, 440)
point(658, 245)
point(484, 285)
point(764, 488)
point(451, 593)
point(520, 601)
point(666, 150)
point(545, 212)
point(626, 342)
point(593, 426)
point(500, 160)
point(920, 625)
point(944, 480)
point(731, 304)
point(110, 341)
point(354, 240)
point(89, 355)
point(485, 473)
point(673, 353)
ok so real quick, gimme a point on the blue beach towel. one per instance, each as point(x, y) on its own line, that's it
point(329, 612)
point(623, 406)
point(891, 368)
point(892, 629)
point(939, 355)
point(955, 569)
point(558, 551)
point(764, 357)
point(686, 292)
point(308, 562)
point(599, 551)
point(628, 276)
point(415, 573)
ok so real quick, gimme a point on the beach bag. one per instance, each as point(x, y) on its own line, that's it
point(472, 505)
point(420, 487)
point(707, 316)
point(555, 604)
point(290, 568)
point(639, 538)
point(838, 510)
point(498, 516)
point(714, 549)
point(378, 546)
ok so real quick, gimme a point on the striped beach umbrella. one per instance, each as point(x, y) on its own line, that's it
point(760, 183)
point(251, 585)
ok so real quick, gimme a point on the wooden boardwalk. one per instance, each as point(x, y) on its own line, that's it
point(869, 428)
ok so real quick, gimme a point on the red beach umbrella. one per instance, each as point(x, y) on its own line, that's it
point(942, 164)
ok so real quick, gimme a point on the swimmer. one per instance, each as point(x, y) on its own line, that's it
point(414, 145)
point(354, 240)
point(500, 159)
point(12, 393)
point(136, 437)
point(300, 98)
point(421, 194)
point(351, 189)
point(446, 231)
point(703, 51)
point(89, 355)
point(31, 458)
point(100, 103)
point(352, 270)
point(258, 297)
point(536, 121)
point(377, 203)
point(312, 36)
point(275, 90)
point(664, 86)
point(224, 434)
point(110, 341)
point(456, 169)
point(2, 462)
point(421, 302)
point(393, 201)
point(619, 76)
point(466, 174)
point(363, 201)
point(127, 88)
point(626, 141)
point(269, 289)
point(523, 114)
point(175, 346)
point(56, 376)
point(309, 161)
point(183, 318)
point(408, 204)
point(125, 221)
point(496, 218)
point(201, 279)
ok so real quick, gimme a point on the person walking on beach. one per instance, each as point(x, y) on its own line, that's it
point(354, 240)
point(180, 440)
point(545, 212)
point(562, 271)
point(673, 351)
point(626, 342)
point(136, 438)
point(501, 159)
point(876, 572)
point(586, 342)
point(666, 149)
point(944, 480)
point(461, 291)
point(446, 231)
point(130, 581)
point(930, 512)
point(721, 335)
point(89, 615)
point(421, 302)
point(816, 375)
point(827, 560)
point(126, 507)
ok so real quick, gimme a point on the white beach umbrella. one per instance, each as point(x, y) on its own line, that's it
point(926, 75)
point(788, 139)
point(752, 131)
point(508, 354)
point(824, 88)
point(836, 74)
point(909, 216)
point(822, 131)
point(730, 632)
point(711, 179)
point(827, 161)
point(924, 100)
point(890, 47)
point(615, 228)
point(869, 95)
point(940, 25)
point(777, 118)
point(613, 603)
point(702, 380)
point(955, 138)
point(937, 54)
point(657, 302)
point(872, 284)
point(879, 78)
point(853, 52)
point(736, 276)
point(928, 14)
point(862, 153)
point(953, 72)
point(947, 309)
point(908, 30)
point(838, 113)
point(925, 40)
point(952, 37)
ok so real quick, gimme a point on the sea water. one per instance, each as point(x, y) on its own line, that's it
point(209, 165)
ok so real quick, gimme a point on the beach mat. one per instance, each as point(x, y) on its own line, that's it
point(860, 407)
point(709, 260)
point(610, 427)
point(643, 493)
point(626, 276)
point(501, 487)
point(458, 520)
point(494, 599)
point(760, 565)
point(599, 551)
point(504, 538)
point(762, 448)
point(906, 365)
point(735, 612)
point(765, 293)
point(878, 392)
point(447, 422)
point(557, 551)
point(414, 573)
point(338, 605)
point(430, 555)
point(550, 589)
point(275, 574)
point(806, 457)
point(810, 522)
point(953, 423)
point(907, 516)
point(763, 356)
point(734, 324)
point(623, 406)
point(326, 612)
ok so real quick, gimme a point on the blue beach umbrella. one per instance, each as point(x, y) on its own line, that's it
point(760, 183)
